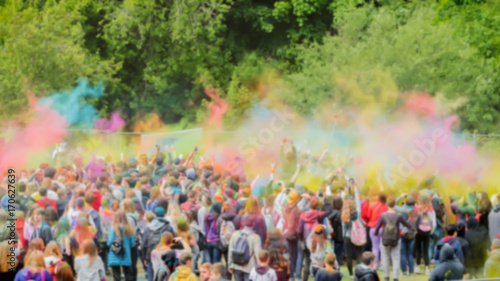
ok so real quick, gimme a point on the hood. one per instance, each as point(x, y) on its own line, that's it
point(261, 270)
point(446, 253)
point(133, 215)
point(362, 270)
point(228, 215)
point(183, 272)
point(157, 223)
point(497, 208)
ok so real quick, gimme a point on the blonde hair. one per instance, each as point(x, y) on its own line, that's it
point(4, 258)
point(120, 219)
point(35, 261)
point(89, 248)
point(53, 250)
point(128, 206)
point(174, 211)
point(150, 216)
point(35, 245)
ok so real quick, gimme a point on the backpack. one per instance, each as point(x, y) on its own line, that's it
point(409, 233)
point(153, 241)
point(226, 231)
point(48, 204)
point(117, 245)
point(358, 233)
point(138, 234)
point(241, 251)
point(52, 269)
point(390, 234)
point(425, 222)
point(25, 203)
point(201, 241)
point(168, 267)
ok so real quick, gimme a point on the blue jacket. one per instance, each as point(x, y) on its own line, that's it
point(25, 274)
point(455, 245)
point(128, 242)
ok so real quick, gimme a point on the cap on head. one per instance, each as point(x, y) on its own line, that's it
point(159, 211)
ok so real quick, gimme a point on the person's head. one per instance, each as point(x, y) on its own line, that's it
point(64, 272)
point(61, 193)
point(205, 271)
point(368, 258)
point(128, 206)
point(186, 259)
point(391, 202)
point(89, 198)
point(50, 215)
point(89, 248)
point(62, 229)
point(192, 195)
point(382, 198)
point(43, 192)
point(150, 216)
point(263, 257)
point(424, 203)
point(330, 260)
point(318, 237)
point(252, 206)
point(167, 239)
point(80, 203)
point(293, 197)
point(217, 270)
point(313, 203)
point(155, 193)
point(52, 250)
point(451, 229)
point(337, 203)
point(461, 228)
point(35, 261)
point(159, 212)
point(120, 222)
point(39, 215)
point(50, 173)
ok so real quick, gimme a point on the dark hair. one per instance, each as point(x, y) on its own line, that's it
point(89, 198)
point(50, 214)
point(367, 257)
point(382, 198)
point(43, 191)
point(50, 173)
point(461, 226)
point(451, 229)
point(162, 202)
point(185, 257)
point(118, 179)
point(263, 256)
point(391, 202)
point(159, 161)
point(131, 182)
point(337, 203)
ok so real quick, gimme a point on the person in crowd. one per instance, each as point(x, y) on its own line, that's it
point(34, 269)
point(336, 223)
point(174, 213)
point(227, 223)
point(205, 272)
point(390, 238)
point(449, 268)
point(133, 218)
point(183, 272)
point(64, 273)
point(41, 228)
point(152, 236)
point(276, 245)
point(494, 220)
point(106, 214)
point(461, 231)
point(217, 271)
point(329, 272)
point(407, 234)
point(263, 272)
point(52, 258)
point(29, 225)
point(243, 249)
point(451, 230)
point(252, 208)
point(291, 213)
point(89, 265)
point(318, 247)
point(350, 214)
point(365, 270)
point(83, 229)
point(479, 243)
point(35, 245)
point(121, 240)
point(45, 201)
point(491, 267)
point(212, 234)
point(375, 211)
point(483, 210)
point(425, 225)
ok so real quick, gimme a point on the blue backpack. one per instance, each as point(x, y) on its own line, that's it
point(241, 250)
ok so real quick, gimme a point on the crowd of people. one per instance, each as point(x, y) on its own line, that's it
point(181, 219)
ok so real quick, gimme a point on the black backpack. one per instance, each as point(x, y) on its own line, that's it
point(25, 203)
point(117, 245)
point(390, 234)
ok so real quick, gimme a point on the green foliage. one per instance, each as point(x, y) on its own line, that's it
point(160, 55)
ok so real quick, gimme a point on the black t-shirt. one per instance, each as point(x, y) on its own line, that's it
point(326, 275)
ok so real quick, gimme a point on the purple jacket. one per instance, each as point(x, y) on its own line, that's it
point(211, 228)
